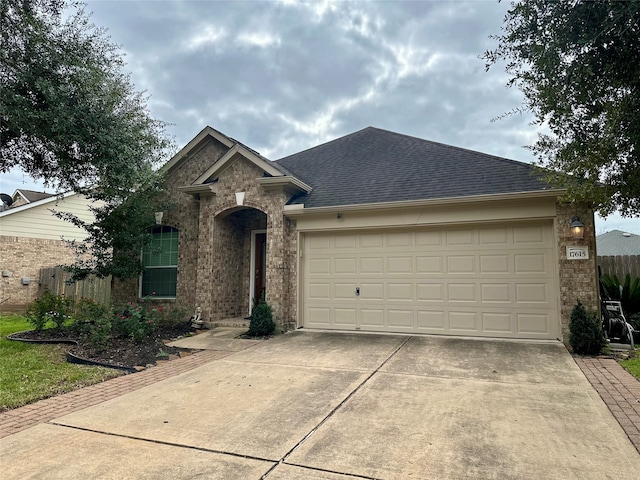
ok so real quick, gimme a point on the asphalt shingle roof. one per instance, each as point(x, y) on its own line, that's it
point(374, 166)
point(617, 242)
point(33, 196)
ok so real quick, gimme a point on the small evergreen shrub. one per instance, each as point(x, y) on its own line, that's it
point(49, 307)
point(261, 319)
point(586, 336)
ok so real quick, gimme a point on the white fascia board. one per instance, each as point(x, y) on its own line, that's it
point(44, 201)
point(290, 211)
point(286, 182)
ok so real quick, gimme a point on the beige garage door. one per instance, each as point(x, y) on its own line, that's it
point(496, 281)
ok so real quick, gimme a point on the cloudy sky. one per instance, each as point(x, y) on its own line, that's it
point(283, 76)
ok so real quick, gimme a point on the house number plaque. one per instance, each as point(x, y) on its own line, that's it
point(577, 253)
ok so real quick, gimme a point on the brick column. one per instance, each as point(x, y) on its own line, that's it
point(204, 269)
point(578, 278)
point(276, 266)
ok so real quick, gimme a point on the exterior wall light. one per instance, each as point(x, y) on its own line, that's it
point(577, 227)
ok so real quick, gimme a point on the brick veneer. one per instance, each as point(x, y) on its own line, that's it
point(578, 278)
point(23, 258)
point(215, 240)
point(215, 244)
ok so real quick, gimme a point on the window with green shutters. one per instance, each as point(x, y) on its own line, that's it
point(160, 261)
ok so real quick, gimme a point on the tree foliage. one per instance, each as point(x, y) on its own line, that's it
point(576, 63)
point(72, 117)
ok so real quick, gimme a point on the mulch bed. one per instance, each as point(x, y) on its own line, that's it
point(121, 352)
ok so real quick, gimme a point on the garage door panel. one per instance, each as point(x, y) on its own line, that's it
point(499, 323)
point(371, 317)
point(344, 290)
point(533, 234)
point(345, 316)
point(494, 264)
point(429, 320)
point(372, 291)
point(430, 292)
point(461, 292)
point(372, 265)
point(460, 237)
point(466, 321)
point(461, 264)
point(531, 323)
point(495, 293)
point(400, 292)
point(495, 280)
point(531, 263)
point(344, 265)
point(319, 266)
point(429, 265)
point(400, 319)
point(320, 291)
point(399, 264)
point(532, 293)
point(493, 236)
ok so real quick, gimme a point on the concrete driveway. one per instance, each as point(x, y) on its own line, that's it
point(339, 406)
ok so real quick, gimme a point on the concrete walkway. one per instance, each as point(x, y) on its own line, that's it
point(334, 406)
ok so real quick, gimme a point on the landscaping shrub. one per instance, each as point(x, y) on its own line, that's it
point(135, 321)
point(49, 307)
point(261, 319)
point(586, 336)
point(100, 333)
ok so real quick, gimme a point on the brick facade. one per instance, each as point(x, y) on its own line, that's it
point(214, 259)
point(215, 243)
point(23, 258)
point(578, 278)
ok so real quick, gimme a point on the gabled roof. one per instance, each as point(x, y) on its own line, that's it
point(30, 196)
point(49, 198)
point(617, 242)
point(204, 185)
point(374, 166)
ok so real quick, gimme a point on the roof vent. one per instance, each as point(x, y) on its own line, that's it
point(626, 234)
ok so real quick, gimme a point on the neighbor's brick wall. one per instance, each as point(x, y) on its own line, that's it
point(578, 278)
point(23, 258)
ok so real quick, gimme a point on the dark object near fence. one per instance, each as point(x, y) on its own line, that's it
point(615, 324)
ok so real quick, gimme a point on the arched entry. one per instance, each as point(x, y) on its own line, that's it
point(239, 260)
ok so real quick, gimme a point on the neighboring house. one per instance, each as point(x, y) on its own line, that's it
point(619, 254)
point(372, 232)
point(31, 238)
point(616, 243)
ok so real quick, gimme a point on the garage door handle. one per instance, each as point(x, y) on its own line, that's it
point(357, 291)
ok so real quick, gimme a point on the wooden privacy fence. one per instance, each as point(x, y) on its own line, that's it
point(620, 265)
point(55, 279)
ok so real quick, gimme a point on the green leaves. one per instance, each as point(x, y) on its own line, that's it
point(70, 114)
point(576, 63)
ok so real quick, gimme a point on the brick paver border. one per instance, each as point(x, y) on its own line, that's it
point(619, 390)
point(42, 411)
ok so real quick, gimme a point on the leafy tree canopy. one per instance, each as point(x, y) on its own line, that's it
point(70, 116)
point(577, 64)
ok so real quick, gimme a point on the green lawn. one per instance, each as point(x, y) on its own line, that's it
point(632, 365)
point(30, 372)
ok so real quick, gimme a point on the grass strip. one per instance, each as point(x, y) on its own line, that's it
point(30, 372)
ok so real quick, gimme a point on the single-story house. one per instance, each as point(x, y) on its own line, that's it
point(372, 232)
point(31, 238)
point(617, 242)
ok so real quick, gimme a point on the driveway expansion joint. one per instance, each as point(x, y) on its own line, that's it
point(335, 409)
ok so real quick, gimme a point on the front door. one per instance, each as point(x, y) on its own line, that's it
point(259, 266)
